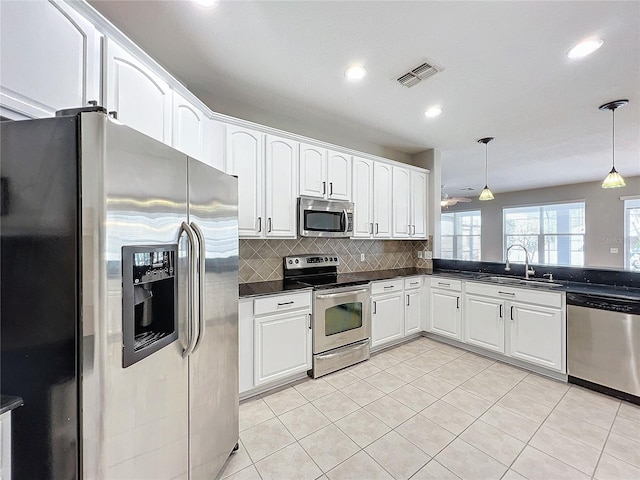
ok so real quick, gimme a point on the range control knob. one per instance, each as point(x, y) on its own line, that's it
point(326, 259)
point(297, 261)
point(335, 259)
point(290, 261)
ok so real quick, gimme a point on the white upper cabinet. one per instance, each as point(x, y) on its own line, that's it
point(313, 171)
point(324, 173)
point(141, 99)
point(189, 127)
point(244, 158)
point(382, 182)
point(50, 59)
point(363, 198)
point(338, 176)
point(401, 198)
point(280, 187)
point(418, 208)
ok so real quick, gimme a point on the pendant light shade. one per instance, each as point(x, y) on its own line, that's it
point(486, 193)
point(614, 179)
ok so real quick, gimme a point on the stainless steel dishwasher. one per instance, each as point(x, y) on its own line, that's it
point(603, 344)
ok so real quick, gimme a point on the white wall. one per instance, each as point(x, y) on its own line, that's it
point(604, 218)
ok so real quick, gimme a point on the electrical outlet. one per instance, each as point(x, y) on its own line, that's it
point(428, 254)
point(419, 253)
point(362, 257)
point(613, 250)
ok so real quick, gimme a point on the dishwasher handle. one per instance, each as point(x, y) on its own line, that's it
point(603, 302)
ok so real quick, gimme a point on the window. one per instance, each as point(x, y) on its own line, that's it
point(552, 234)
point(460, 235)
point(632, 235)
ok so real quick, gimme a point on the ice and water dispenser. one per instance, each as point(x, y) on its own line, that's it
point(150, 300)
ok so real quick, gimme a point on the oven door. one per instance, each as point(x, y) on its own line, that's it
point(341, 316)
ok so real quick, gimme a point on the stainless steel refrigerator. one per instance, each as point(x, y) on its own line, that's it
point(119, 303)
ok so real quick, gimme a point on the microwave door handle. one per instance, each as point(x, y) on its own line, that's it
point(191, 331)
point(345, 219)
point(200, 276)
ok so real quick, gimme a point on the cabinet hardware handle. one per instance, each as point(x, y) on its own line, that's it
point(371, 225)
point(507, 293)
point(457, 302)
point(259, 224)
point(390, 286)
point(309, 321)
point(500, 310)
point(376, 228)
point(269, 224)
point(113, 114)
point(408, 301)
point(330, 188)
point(442, 284)
point(511, 312)
point(415, 283)
point(414, 229)
point(286, 303)
point(324, 188)
point(409, 229)
point(374, 307)
point(93, 103)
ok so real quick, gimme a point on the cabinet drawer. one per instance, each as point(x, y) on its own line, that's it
point(527, 295)
point(282, 303)
point(446, 284)
point(413, 282)
point(387, 286)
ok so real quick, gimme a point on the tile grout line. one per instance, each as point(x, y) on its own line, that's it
point(604, 445)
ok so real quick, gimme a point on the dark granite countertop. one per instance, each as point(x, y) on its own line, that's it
point(9, 402)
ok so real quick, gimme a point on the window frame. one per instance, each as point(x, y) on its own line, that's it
point(456, 235)
point(541, 236)
point(634, 204)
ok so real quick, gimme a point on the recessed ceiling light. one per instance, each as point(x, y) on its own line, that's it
point(355, 72)
point(585, 48)
point(207, 3)
point(433, 111)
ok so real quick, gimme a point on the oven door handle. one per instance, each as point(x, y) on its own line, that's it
point(342, 294)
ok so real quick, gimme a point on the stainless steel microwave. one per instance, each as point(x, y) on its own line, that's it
point(324, 218)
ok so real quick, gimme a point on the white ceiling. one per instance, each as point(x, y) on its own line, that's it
point(506, 75)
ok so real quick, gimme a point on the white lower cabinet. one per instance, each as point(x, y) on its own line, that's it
point(412, 305)
point(484, 322)
point(537, 335)
point(387, 312)
point(445, 307)
point(521, 323)
point(274, 338)
point(282, 346)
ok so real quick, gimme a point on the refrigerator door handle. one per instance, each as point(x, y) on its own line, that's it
point(200, 277)
point(191, 285)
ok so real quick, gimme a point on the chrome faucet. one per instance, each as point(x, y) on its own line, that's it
point(527, 271)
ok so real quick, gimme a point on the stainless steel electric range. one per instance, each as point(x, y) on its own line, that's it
point(341, 311)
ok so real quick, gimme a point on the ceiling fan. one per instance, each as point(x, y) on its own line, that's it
point(446, 201)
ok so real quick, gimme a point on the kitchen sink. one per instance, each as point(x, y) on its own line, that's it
point(520, 281)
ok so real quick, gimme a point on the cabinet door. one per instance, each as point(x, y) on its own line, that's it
point(401, 194)
point(382, 181)
point(338, 176)
point(418, 202)
point(50, 59)
point(244, 158)
point(484, 322)
point(387, 319)
point(282, 346)
point(445, 313)
point(412, 311)
point(188, 127)
point(362, 198)
point(536, 335)
point(280, 187)
point(425, 320)
point(245, 344)
point(313, 171)
point(141, 99)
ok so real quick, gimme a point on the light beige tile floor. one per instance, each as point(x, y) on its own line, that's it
point(426, 410)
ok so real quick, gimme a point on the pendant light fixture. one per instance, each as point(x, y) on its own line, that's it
point(486, 193)
point(614, 179)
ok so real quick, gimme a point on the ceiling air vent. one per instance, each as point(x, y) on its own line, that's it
point(426, 70)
